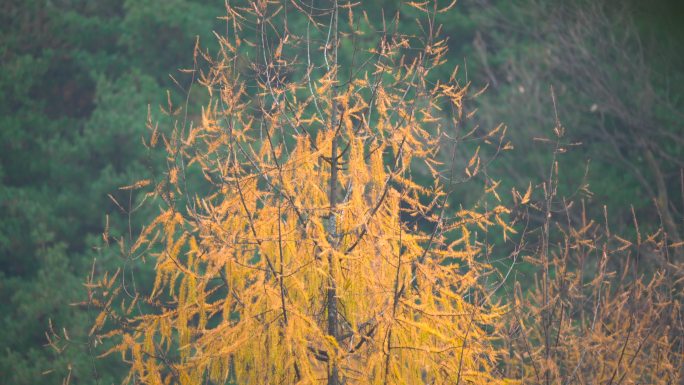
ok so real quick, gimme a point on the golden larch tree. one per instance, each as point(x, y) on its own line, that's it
point(312, 255)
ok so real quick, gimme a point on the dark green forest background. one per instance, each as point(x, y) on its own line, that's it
point(78, 76)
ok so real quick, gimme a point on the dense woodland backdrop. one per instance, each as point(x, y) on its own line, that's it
point(78, 76)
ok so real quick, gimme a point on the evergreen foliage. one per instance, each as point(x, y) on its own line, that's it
point(78, 76)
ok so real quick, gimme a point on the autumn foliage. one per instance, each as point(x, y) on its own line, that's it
point(311, 253)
